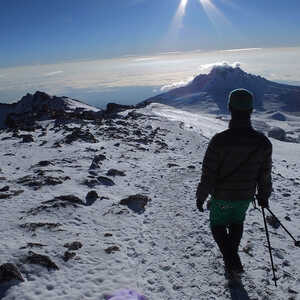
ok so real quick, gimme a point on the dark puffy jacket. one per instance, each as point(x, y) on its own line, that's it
point(226, 151)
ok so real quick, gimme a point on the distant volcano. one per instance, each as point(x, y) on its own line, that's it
point(209, 92)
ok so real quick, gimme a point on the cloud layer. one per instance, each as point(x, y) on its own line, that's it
point(53, 73)
point(162, 72)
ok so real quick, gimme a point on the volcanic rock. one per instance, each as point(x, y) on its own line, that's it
point(114, 172)
point(91, 197)
point(9, 272)
point(5, 189)
point(42, 260)
point(96, 161)
point(68, 255)
point(277, 133)
point(136, 203)
point(80, 135)
point(112, 249)
point(73, 246)
point(27, 138)
point(105, 181)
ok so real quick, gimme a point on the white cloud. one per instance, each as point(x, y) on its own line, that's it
point(208, 67)
point(170, 52)
point(242, 49)
point(142, 59)
point(53, 73)
point(174, 85)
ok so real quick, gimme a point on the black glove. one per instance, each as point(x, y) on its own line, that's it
point(200, 205)
point(208, 205)
point(263, 202)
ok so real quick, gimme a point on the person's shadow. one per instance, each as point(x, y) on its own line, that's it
point(4, 287)
point(238, 292)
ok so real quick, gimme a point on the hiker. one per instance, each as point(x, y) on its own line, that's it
point(237, 162)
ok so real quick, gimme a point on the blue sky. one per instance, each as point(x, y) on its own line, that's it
point(42, 31)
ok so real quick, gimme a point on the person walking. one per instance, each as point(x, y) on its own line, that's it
point(236, 165)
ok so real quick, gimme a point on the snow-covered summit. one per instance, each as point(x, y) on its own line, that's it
point(209, 92)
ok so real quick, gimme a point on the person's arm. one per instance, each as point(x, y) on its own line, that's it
point(264, 183)
point(209, 173)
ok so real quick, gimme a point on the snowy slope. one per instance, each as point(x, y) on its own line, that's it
point(167, 252)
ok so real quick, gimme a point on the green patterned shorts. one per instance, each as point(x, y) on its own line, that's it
point(224, 212)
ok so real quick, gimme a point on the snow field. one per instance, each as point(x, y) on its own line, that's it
point(167, 252)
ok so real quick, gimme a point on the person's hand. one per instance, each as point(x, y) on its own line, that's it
point(200, 205)
point(262, 202)
point(208, 205)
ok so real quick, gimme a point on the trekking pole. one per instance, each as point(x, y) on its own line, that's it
point(269, 246)
point(297, 243)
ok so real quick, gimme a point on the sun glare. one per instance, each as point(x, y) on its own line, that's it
point(180, 13)
point(212, 12)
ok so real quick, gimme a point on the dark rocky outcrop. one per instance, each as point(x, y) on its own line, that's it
point(40, 106)
point(73, 246)
point(32, 245)
point(277, 133)
point(12, 193)
point(105, 181)
point(57, 203)
point(80, 135)
point(40, 180)
point(44, 163)
point(114, 108)
point(96, 161)
point(91, 183)
point(4, 196)
point(112, 249)
point(27, 138)
point(42, 260)
point(171, 165)
point(114, 172)
point(66, 198)
point(5, 189)
point(68, 255)
point(90, 198)
point(278, 116)
point(137, 203)
point(33, 226)
point(9, 272)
